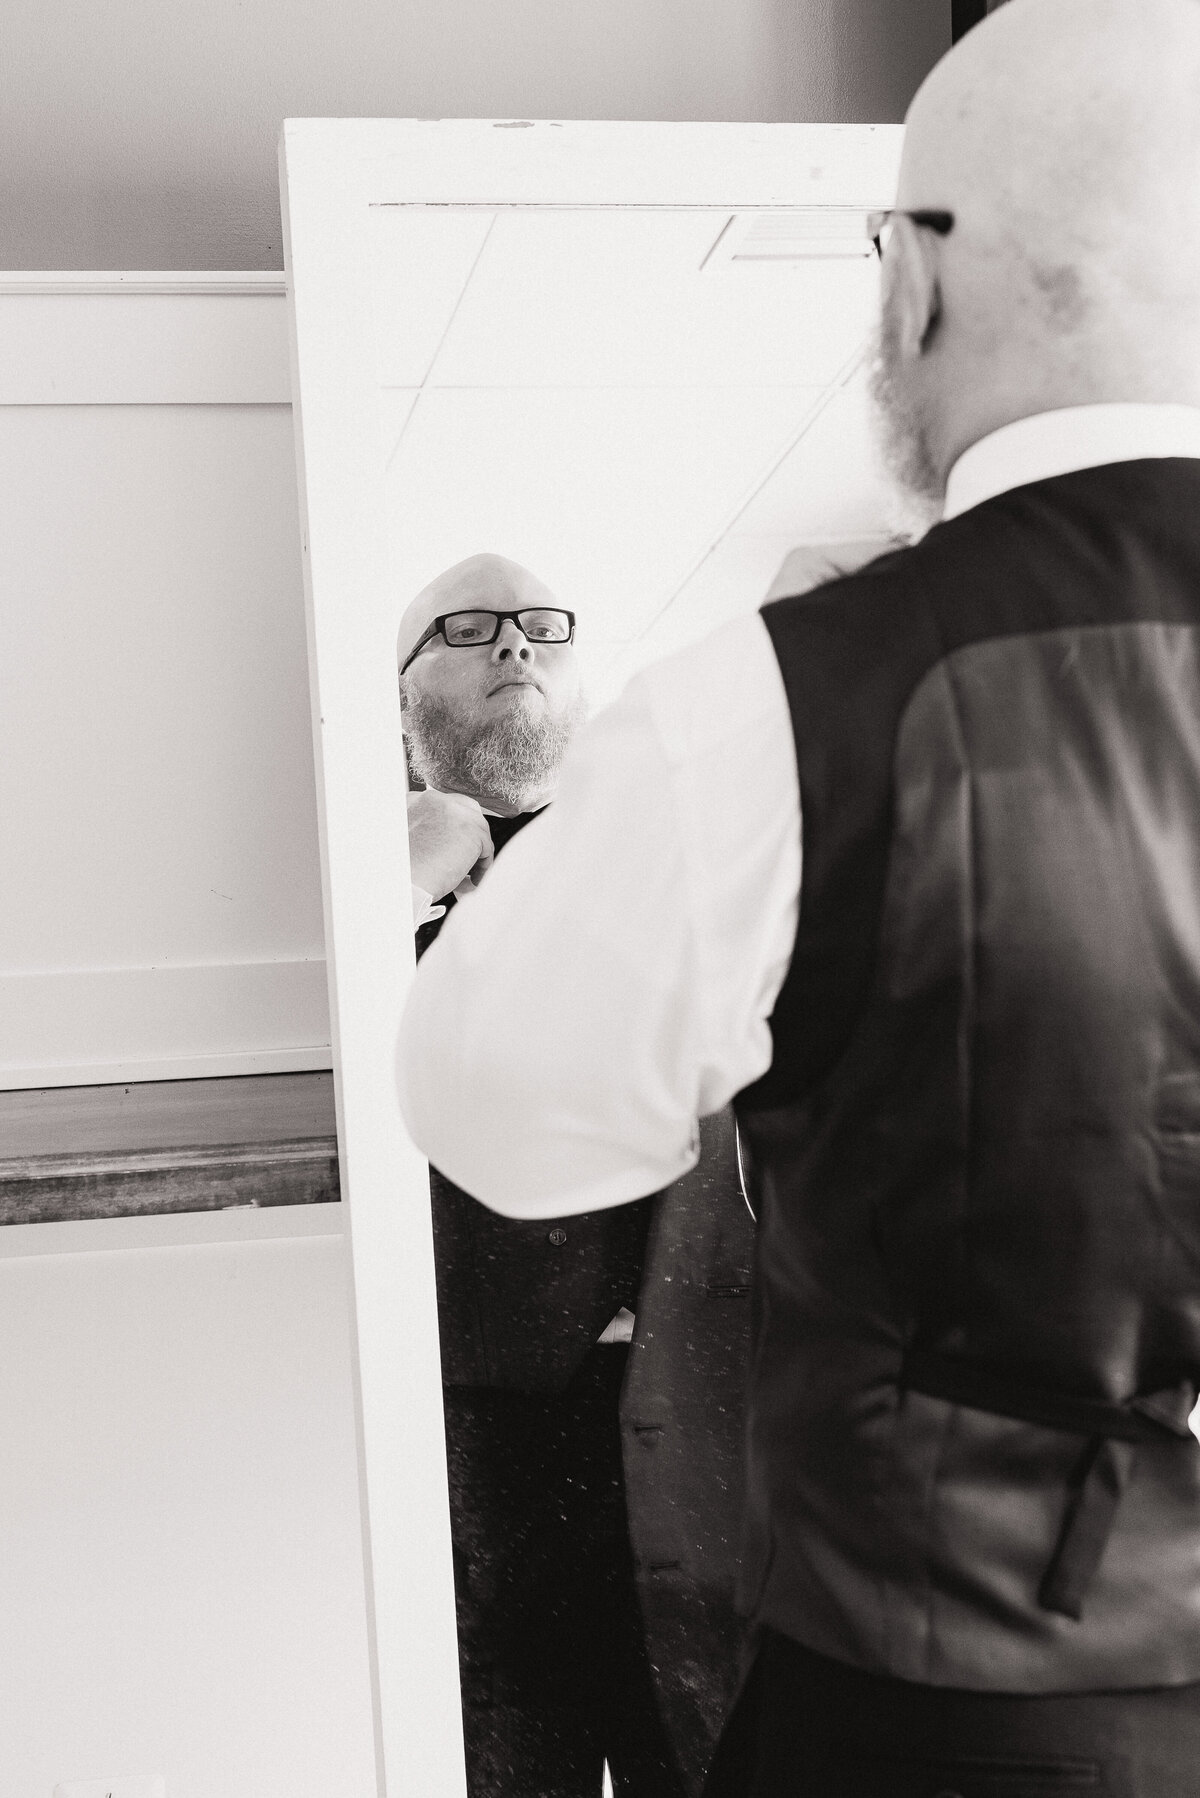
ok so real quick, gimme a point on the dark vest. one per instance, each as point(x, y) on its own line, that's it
point(521, 1303)
point(977, 1149)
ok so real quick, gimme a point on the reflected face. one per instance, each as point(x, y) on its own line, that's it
point(484, 680)
point(491, 719)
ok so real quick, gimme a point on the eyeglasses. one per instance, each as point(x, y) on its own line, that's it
point(879, 225)
point(465, 630)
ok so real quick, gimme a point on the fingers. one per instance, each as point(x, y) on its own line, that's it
point(811, 565)
point(462, 802)
point(486, 858)
point(471, 810)
point(480, 866)
point(448, 841)
point(430, 802)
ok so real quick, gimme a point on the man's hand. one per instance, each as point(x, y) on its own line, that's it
point(448, 839)
point(812, 564)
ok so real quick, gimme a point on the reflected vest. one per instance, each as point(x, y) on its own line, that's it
point(977, 1149)
point(521, 1302)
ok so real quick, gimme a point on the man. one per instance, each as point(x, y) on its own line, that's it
point(966, 1047)
point(594, 1480)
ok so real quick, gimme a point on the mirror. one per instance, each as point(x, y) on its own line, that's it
point(631, 359)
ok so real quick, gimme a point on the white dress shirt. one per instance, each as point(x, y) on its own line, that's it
point(614, 977)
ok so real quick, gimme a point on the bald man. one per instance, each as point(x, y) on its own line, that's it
point(487, 719)
point(594, 1471)
point(964, 1040)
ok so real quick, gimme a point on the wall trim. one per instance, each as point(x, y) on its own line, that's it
point(51, 1188)
point(182, 1230)
point(166, 1147)
point(253, 283)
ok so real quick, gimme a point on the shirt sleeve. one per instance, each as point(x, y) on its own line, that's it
point(612, 979)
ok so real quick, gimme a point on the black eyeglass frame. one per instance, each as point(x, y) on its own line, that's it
point(941, 222)
point(438, 624)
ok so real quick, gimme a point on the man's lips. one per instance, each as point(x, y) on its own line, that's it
point(518, 680)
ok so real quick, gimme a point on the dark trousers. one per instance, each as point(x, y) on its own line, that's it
point(555, 1674)
point(808, 1727)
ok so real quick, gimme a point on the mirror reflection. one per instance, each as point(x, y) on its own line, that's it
point(605, 432)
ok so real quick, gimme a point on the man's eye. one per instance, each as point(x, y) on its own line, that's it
point(467, 635)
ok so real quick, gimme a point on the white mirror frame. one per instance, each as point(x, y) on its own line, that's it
point(333, 172)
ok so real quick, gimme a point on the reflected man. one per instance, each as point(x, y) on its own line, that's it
point(593, 1461)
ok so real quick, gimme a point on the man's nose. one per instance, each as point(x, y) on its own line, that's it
point(511, 641)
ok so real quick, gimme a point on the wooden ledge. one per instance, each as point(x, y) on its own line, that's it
point(69, 1153)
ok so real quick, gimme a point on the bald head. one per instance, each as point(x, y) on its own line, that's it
point(1064, 137)
point(489, 581)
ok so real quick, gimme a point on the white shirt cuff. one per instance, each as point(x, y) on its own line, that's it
point(424, 910)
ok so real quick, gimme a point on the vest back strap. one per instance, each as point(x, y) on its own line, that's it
point(985, 1389)
point(1099, 1476)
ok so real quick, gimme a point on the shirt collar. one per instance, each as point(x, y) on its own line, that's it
point(1062, 442)
point(503, 816)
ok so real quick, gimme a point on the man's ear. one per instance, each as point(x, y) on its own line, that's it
point(915, 292)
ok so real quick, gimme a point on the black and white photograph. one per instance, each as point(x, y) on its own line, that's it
point(600, 1057)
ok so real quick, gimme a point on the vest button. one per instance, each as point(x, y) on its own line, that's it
point(557, 1237)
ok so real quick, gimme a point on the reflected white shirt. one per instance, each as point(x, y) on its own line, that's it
point(614, 977)
point(424, 908)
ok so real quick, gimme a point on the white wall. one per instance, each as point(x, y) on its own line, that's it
point(156, 773)
point(181, 1584)
point(138, 135)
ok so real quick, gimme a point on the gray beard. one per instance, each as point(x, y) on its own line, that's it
point(903, 436)
point(511, 758)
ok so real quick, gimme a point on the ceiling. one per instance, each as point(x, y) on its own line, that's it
point(648, 407)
